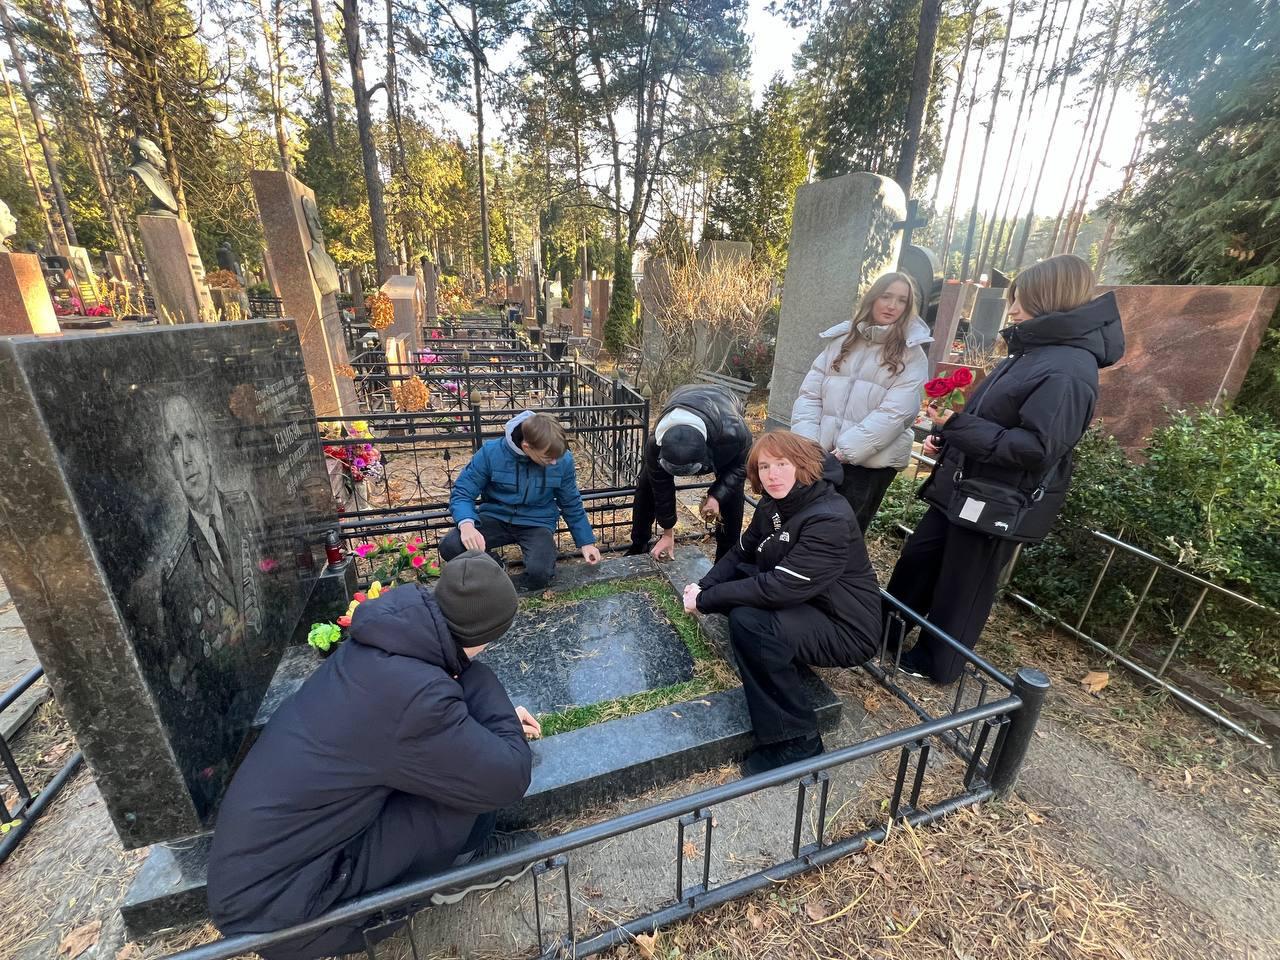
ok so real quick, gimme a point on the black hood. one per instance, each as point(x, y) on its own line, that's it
point(1094, 327)
point(407, 622)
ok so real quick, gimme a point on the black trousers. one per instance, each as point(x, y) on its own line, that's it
point(864, 488)
point(644, 513)
point(386, 854)
point(949, 575)
point(773, 650)
point(537, 547)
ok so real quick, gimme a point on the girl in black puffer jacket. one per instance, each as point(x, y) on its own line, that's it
point(1018, 429)
point(798, 589)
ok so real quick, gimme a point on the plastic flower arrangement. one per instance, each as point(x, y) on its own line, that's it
point(363, 461)
point(945, 393)
point(395, 563)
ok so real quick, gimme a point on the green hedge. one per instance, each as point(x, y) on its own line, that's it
point(1205, 495)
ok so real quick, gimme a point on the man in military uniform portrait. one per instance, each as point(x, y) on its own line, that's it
point(209, 589)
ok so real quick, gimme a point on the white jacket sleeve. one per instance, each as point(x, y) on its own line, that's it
point(897, 410)
point(806, 412)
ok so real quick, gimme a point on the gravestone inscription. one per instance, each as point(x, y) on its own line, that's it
point(161, 532)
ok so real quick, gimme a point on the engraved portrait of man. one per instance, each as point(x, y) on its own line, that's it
point(209, 586)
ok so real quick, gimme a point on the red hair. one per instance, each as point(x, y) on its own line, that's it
point(801, 451)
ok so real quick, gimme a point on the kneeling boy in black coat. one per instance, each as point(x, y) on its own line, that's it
point(389, 763)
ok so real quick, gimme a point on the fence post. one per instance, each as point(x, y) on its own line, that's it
point(476, 439)
point(1030, 686)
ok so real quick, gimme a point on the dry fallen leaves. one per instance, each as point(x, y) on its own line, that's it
point(80, 939)
point(1095, 680)
point(648, 945)
point(815, 910)
point(690, 851)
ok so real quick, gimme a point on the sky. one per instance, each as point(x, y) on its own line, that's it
point(773, 44)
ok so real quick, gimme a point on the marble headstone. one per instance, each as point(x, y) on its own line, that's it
point(946, 321)
point(406, 301)
point(82, 269)
point(25, 305)
point(600, 295)
point(989, 311)
point(295, 254)
point(843, 236)
point(1185, 347)
point(161, 529)
point(174, 269)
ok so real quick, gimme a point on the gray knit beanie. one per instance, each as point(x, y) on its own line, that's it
point(476, 597)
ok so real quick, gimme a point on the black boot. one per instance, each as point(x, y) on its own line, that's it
point(770, 756)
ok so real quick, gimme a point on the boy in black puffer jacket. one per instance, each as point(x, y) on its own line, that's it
point(389, 763)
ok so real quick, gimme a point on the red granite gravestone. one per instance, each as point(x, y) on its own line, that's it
point(1185, 347)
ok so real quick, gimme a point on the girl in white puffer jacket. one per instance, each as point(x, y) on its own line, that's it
point(864, 391)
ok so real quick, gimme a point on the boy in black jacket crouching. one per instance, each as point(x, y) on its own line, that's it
point(389, 763)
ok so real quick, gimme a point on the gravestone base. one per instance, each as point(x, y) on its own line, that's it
point(621, 647)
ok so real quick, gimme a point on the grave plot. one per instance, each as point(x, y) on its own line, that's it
point(403, 488)
point(631, 691)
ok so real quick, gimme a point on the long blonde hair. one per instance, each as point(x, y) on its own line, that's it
point(895, 344)
point(1055, 285)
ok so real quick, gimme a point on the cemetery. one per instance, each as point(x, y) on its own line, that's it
point(260, 308)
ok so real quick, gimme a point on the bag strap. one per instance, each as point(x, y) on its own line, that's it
point(1038, 494)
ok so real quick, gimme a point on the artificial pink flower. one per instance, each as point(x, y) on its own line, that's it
point(266, 564)
point(411, 547)
point(364, 549)
point(417, 561)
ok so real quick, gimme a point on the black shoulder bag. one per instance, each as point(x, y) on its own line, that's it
point(993, 507)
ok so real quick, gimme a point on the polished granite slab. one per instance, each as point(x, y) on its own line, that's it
point(161, 531)
point(591, 651)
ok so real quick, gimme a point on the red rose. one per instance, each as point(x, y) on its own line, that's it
point(962, 377)
point(938, 387)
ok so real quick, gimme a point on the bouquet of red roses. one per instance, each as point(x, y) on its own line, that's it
point(945, 393)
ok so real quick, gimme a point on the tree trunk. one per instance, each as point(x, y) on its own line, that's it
point(50, 237)
point(1087, 134)
point(986, 142)
point(1104, 246)
point(480, 165)
point(964, 149)
point(99, 158)
point(275, 68)
point(612, 125)
point(369, 152)
point(955, 100)
point(998, 223)
point(1082, 200)
point(1053, 125)
point(46, 145)
point(326, 82)
point(1035, 100)
point(1000, 247)
point(921, 80)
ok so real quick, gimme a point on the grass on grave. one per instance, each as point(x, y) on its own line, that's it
point(710, 673)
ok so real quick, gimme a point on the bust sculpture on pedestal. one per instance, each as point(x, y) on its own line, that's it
point(323, 268)
point(148, 162)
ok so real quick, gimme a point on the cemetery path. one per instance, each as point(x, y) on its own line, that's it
point(1197, 852)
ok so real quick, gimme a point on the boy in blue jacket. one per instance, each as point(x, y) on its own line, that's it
point(524, 482)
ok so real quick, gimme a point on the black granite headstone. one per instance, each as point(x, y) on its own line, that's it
point(592, 651)
point(161, 530)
